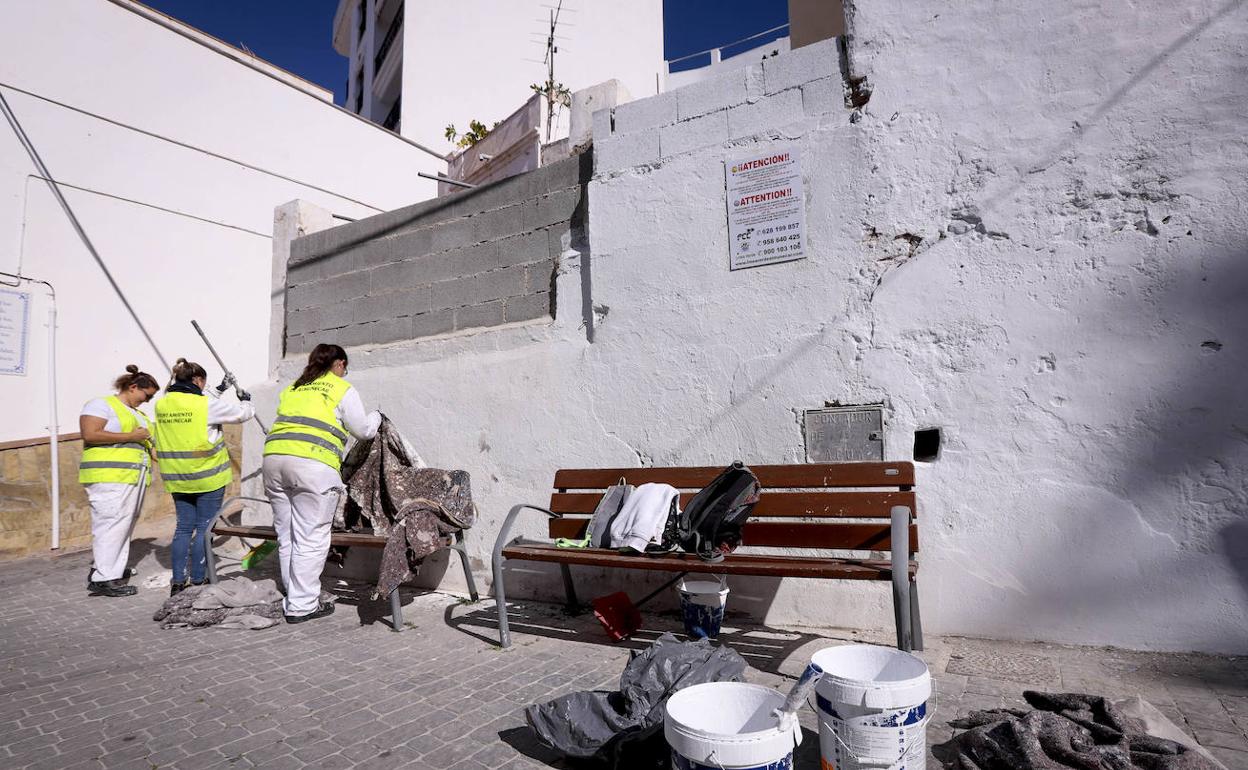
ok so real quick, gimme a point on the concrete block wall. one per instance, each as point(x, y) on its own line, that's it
point(478, 258)
point(744, 102)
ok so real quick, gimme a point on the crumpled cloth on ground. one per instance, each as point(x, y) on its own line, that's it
point(237, 592)
point(233, 603)
point(416, 509)
point(1066, 730)
point(625, 728)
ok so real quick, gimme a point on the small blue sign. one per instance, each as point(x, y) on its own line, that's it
point(14, 331)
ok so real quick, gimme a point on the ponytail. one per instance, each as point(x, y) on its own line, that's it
point(184, 371)
point(134, 377)
point(320, 360)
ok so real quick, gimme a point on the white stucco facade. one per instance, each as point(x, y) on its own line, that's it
point(173, 154)
point(1033, 243)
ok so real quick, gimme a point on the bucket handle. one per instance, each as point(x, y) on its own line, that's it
point(926, 718)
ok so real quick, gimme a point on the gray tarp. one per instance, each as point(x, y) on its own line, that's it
point(626, 727)
point(1065, 731)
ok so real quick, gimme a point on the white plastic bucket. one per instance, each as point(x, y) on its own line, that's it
point(702, 604)
point(872, 704)
point(728, 725)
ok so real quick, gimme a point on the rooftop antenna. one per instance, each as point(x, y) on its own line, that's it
point(553, 92)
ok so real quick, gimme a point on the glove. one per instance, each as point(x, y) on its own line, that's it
point(224, 386)
point(242, 395)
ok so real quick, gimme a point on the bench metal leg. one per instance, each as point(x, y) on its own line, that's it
point(916, 626)
point(500, 599)
point(463, 558)
point(901, 613)
point(900, 546)
point(210, 561)
point(500, 596)
point(569, 590)
point(396, 611)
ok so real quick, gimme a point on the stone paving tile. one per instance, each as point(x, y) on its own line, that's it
point(110, 689)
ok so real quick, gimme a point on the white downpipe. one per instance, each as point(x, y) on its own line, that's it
point(54, 428)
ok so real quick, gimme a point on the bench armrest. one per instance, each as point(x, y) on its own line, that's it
point(505, 532)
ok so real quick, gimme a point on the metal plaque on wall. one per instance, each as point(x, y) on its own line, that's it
point(842, 434)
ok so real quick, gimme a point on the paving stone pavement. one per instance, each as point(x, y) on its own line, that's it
point(92, 682)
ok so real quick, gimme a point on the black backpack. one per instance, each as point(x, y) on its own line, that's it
point(710, 525)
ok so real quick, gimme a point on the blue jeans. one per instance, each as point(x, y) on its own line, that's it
point(195, 510)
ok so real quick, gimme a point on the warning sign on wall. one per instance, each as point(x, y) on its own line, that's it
point(766, 208)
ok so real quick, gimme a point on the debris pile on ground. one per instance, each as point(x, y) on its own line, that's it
point(1064, 731)
point(625, 728)
point(234, 603)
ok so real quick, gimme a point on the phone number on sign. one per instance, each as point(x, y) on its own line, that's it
point(787, 248)
point(779, 228)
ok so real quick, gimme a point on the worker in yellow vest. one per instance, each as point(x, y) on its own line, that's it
point(194, 464)
point(116, 454)
point(302, 458)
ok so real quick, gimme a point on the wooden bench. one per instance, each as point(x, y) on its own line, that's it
point(221, 527)
point(845, 508)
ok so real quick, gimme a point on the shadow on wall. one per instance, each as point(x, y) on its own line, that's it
point(1118, 546)
point(1235, 549)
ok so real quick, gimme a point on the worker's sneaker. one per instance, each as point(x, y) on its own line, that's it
point(110, 588)
point(326, 608)
point(177, 588)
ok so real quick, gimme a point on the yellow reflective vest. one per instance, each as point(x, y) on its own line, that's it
point(307, 425)
point(117, 463)
point(188, 462)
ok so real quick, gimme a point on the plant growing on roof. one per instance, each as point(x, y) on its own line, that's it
point(475, 133)
point(554, 94)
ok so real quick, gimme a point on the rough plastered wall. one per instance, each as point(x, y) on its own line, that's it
point(1025, 226)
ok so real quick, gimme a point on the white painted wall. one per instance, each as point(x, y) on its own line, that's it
point(469, 60)
point(183, 222)
point(1083, 351)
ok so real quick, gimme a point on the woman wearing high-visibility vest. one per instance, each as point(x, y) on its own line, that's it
point(194, 464)
point(116, 454)
point(302, 457)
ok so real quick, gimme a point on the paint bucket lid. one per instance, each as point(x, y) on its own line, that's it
point(871, 676)
point(703, 588)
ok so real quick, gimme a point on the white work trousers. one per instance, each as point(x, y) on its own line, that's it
point(114, 513)
point(304, 494)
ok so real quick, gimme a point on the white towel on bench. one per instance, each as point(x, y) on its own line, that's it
point(643, 517)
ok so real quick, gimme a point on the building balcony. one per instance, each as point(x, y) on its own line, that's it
point(396, 26)
point(388, 64)
point(392, 120)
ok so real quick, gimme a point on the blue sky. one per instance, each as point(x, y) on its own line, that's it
point(295, 34)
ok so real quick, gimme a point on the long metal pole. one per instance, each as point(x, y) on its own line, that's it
point(29, 146)
point(447, 179)
point(224, 368)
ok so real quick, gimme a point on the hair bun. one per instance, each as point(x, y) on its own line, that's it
point(132, 368)
point(180, 361)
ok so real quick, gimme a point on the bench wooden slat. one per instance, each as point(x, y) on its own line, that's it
point(365, 539)
point(889, 474)
point(787, 534)
point(734, 564)
point(839, 505)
